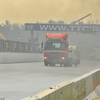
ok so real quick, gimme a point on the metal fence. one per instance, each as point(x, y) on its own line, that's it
point(15, 46)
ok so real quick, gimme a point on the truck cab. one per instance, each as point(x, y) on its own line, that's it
point(56, 49)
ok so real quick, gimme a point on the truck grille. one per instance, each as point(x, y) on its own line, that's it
point(54, 58)
point(54, 52)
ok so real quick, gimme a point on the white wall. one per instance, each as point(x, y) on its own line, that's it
point(20, 57)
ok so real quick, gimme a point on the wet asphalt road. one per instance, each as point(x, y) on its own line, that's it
point(20, 80)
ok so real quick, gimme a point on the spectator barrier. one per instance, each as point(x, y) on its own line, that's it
point(15, 46)
point(77, 89)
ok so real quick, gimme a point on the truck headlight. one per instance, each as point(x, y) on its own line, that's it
point(62, 57)
point(45, 57)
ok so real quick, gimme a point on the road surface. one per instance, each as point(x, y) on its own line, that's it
point(20, 80)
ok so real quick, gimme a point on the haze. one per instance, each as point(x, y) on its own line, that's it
point(22, 11)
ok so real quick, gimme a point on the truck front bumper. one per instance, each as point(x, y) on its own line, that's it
point(56, 60)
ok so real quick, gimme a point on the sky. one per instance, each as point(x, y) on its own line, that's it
point(32, 11)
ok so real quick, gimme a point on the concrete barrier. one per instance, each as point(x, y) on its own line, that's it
point(81, 88)
point(95, 95)
point(62, 91)
point(65, 91)
point(20, 57)
point(84, 85)
point(98, 77)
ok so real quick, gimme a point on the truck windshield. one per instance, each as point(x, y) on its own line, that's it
point(55, 45)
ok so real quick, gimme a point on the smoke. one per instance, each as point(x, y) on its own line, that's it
point(23, 11)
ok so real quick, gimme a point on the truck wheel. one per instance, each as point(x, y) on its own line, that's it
point(50, 64)
point(46, 64)
point(70, 63)
point(79, 62)
point(75, 65)
point(53, 64)
point(60, 64)
point(66, 64)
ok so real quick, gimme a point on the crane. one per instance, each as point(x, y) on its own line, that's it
point(81, 18)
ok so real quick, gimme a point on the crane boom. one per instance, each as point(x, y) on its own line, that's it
point(82, 18)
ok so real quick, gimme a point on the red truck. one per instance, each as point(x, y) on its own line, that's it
point(56, 50)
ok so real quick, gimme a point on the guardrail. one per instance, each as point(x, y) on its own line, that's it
point(77, 89)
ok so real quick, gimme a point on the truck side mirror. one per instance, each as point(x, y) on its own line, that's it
point(42, 45)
